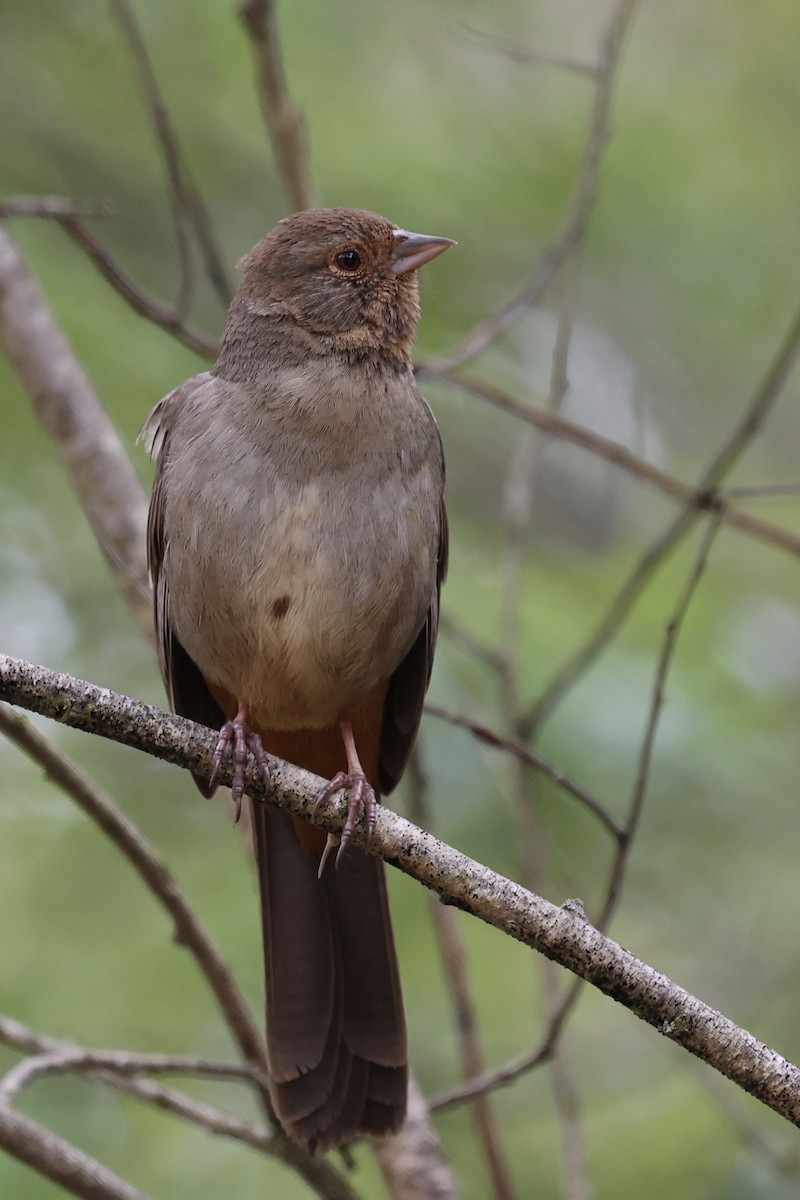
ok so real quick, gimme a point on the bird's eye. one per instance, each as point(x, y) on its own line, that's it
point(348, 260)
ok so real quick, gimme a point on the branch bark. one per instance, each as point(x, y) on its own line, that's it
point(562, 934)
point(60, 1161)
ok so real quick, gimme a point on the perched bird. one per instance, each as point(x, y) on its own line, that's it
point(297, 544)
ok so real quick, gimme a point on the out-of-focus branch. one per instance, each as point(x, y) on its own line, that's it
point(506, 1074)
point(169, 319)
point(189, 932)
point(99, 470)
point(535, 58)
point(671, 635)
point(453, 954)
point(59, 1160)
point(151, 870)
point(562, 934)
point(523, 1064)
point(532, 290)
point(186, 200)
point(283, 120)
point(412, 1162)
point(531, 841)
point(119, 1069)
point(49, 1055)
point(706, 497)
point(701, 497)
point(52, 206)
point(514, 746)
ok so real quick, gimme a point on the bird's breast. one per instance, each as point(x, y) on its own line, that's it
point(300, 598)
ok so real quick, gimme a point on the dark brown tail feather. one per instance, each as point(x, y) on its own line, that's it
point(336, 1037)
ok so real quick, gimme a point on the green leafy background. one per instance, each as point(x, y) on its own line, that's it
point(689, 281)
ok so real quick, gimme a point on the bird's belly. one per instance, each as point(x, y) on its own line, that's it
point(323, 607)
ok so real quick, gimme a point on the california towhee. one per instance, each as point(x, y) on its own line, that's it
point(297, 543)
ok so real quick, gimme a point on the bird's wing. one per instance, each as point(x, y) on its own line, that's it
point(187, 689)
point(407, 687)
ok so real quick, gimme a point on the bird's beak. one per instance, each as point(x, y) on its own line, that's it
point(412, 250)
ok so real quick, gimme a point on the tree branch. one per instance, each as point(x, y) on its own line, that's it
point(186, 201)
point(98, 469)
point(532, 290)
point(169, 319)
point(59, 1160)
point(189, 933)
point(284, 121)
point(562, 934)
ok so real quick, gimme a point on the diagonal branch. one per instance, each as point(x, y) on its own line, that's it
point(169, 319)
point(513, 746)
point(59, 1160)
point(706, 497)
point(154, 874)
point(188, 930)
point(702, 497)
point(669, 644)
point(532, 290)
point(186, 201)
point(562, 934)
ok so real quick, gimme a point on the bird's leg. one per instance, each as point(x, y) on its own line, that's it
point(244, 742)
point(361, 794)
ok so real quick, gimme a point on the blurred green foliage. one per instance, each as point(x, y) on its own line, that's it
point(688, 282)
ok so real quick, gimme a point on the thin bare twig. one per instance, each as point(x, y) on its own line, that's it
point(169, 319)
point(756, 490)
point(153, 873)
point(49, 1055)
point(213, 1120)
point(523, 1064)
point(702, 499)
point(53, 206)
point(186, 202)
point(532, 290)
point(536, 58)
point(283, 120)
point(513, 1070)
point(205, 1116)
point(671, 635)
point(453, 954)
point(514, 746)
point(159, 115)
point(531, 841)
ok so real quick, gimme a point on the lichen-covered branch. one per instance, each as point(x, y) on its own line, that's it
point(561, 933)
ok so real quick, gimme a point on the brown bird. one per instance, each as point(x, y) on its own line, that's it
point(297, 544)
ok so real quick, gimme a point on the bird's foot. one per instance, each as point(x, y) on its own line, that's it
point(243, 742)
point(361, 799)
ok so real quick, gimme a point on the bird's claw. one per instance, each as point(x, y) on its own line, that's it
point(361, 798)
point(244, 742)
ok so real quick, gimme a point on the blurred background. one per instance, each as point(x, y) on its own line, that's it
point(687, 284)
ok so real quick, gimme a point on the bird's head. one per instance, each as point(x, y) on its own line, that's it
point(345, 279)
